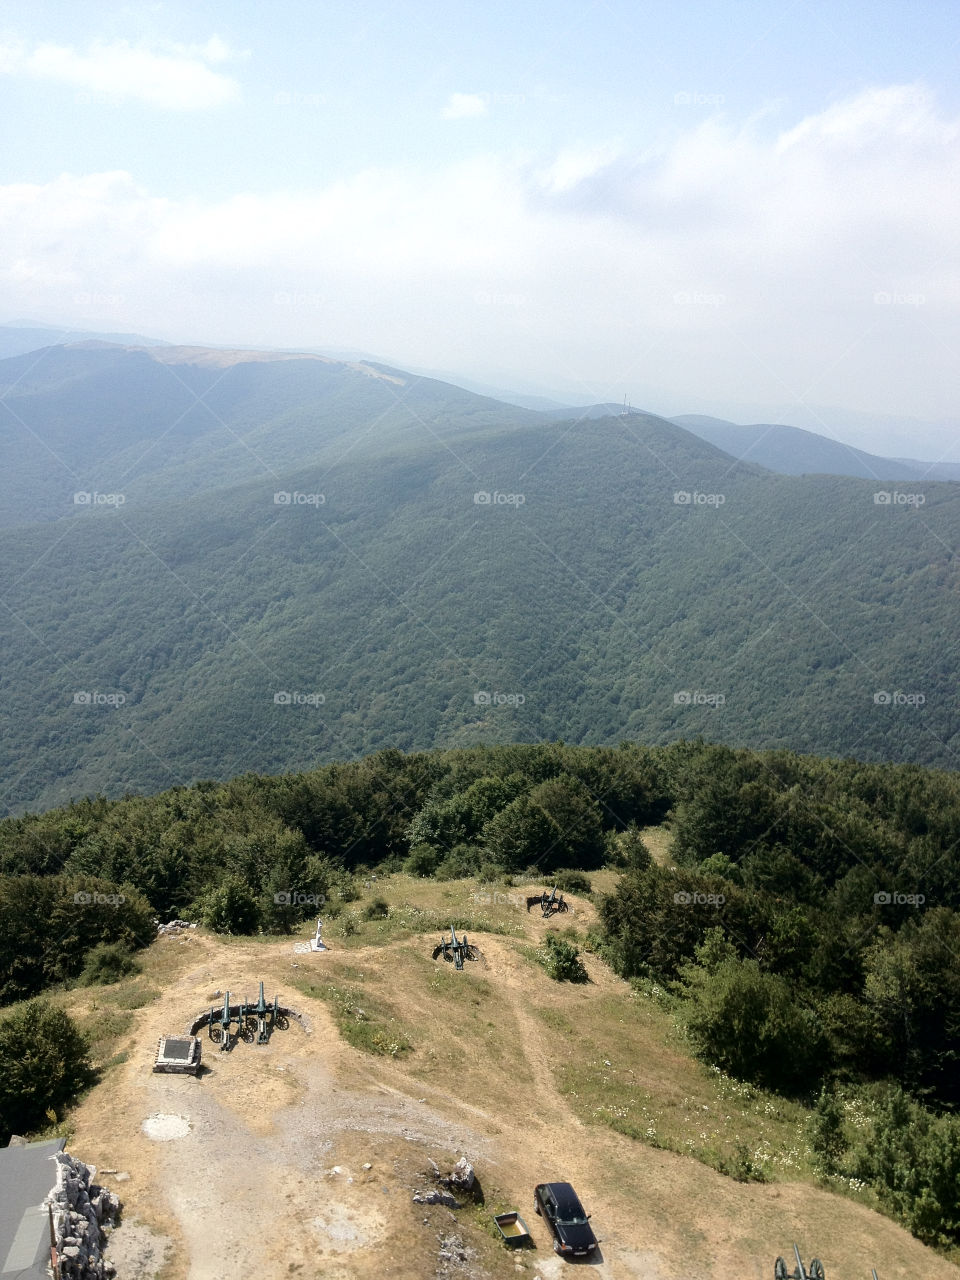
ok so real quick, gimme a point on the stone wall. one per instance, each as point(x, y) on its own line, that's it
point(81, 1211)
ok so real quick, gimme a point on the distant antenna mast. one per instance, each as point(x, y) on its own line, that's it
point(625, 412)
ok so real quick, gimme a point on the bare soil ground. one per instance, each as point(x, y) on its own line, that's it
point(300, 1158)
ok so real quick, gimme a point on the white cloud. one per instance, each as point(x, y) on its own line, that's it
point(737, 264)
point(176, 78)
point(462, 106)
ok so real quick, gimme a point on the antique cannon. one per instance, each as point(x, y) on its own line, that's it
point(457, 949)
point(800, 1272)
point(262, 1018)
point(549, 903)
point(220, 1024)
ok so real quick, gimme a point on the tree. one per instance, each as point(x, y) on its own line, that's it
point(568, 803)
point(826, 1133)
point(520, 836)
point(746, 1022)
point(230, 908)
point(629, 851)
point(44, 1063)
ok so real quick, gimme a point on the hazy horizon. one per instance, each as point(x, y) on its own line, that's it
point(699, 210)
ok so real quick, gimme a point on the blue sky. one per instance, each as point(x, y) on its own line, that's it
point(708, 207)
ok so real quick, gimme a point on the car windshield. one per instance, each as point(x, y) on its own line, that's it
point(568, 1216)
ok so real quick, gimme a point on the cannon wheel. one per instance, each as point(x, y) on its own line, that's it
point(216, 1034)
point(247, 1035)
point(562, 906)
point(283, 1021)
point(816, 1270)
point(780, 1270)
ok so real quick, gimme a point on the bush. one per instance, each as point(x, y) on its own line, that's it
point(423, 860)
point(826, 1130)
point(108, 962)
point(626, 849)
point(745, 1021)
point(572, 882)
point(561, 959)
point(463, 860)
point(378, 909)
point(44, 1063)
point(912, 1158)
point(230, 908)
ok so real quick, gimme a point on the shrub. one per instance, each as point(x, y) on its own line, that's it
point(378, 909)
point(107, 962)
point(561, 959)
point(572, 882)
point(44, 1063)
point(423, 860)
point(230, 908)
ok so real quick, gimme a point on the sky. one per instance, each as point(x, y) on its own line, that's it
point(748, 210)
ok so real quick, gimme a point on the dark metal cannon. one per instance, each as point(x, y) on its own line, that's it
point(800, 1272)
point(548, 903)
point(262, 1018)
point(457, 949)
point(220, 1025)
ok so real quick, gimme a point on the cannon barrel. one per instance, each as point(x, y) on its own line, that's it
point(261, 1004)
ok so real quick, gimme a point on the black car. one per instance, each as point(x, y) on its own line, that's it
point(560, 1205)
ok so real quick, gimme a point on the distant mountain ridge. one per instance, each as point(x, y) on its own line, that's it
point(162, 422)
point(792, 451)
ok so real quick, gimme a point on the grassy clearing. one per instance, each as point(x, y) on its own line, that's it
point(129, 995)
point(418, 905)
point(659, 840)
point(363, 1022)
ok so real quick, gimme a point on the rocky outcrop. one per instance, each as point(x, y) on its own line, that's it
point(81, 1211)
